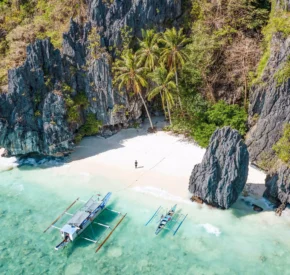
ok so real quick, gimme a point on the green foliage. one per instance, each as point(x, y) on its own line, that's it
point(222, 114)
point(282, 147)
point(220, 31)
point(129, 74)
point(148, 52)
point(74, 106)
point(23, 21)
point(37, 113)
point(91, 127)
point(267, 161)
point(283, 74)
point(94, 44)
point(165, 87)
point(202, 119)
point(279, 21)
point(173, 53)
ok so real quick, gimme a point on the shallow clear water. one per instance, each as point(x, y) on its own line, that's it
point(211, 241)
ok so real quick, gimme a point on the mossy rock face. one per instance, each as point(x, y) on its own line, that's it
point(91, 127)
point(269, 106)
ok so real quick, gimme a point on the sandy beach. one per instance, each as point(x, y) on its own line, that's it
point(233, 240)
point(165, 162)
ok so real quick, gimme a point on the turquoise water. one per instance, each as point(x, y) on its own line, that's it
point(211, 241)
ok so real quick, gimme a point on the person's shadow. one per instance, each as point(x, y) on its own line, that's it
point(138, 167)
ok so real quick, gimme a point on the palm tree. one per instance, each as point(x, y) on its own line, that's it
point(149, 51)
point(164, 86)
point(174, 53)
point(130, 75)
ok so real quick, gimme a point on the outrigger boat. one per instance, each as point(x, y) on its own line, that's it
point(170, 218)
point(84, 217)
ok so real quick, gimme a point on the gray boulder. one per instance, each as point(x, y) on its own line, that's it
point(221, 176)
point(278, 186)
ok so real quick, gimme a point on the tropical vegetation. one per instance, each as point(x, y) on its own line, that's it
point(201, 75)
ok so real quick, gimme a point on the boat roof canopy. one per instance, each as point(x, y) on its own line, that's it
point(91, 205)
point(69, 229)
point(78, 218)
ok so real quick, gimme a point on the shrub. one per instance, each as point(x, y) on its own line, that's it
point(282, 147)
point(201, 119)
point(75, 105)
point(91, 127)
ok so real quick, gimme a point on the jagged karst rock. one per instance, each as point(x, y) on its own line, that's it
point(221, 176)
point(111, 18)
point(269, 108)
point(34, 115)
point(278, 186)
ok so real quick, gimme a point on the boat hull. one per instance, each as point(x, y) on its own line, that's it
point(165, 220)
point(85, 224)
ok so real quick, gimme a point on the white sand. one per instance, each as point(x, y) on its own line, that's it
point(165, 162)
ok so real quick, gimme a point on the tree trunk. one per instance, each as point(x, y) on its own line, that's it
point(163, 106)
point(176, 81)
point(149, 117)
point(169, 114)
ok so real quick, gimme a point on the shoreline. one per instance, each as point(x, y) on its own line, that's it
point(165, 162)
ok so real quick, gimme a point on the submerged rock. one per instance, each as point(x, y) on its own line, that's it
point(222, 175)
point(257, 208)
point(278, 186)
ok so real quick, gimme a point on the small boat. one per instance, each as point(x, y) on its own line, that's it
point(176, 220)
point(165, 219)
point(84, 217)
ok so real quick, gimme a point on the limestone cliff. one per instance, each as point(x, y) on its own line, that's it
point(278, 186)
point(34, 114)
point(221, 176)
point(269, 106)
point(269, 111)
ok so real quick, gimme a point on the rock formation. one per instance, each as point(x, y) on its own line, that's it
point(221, 176)
point(111, 18)
point(269, 111)
point(34, 114)
point(269, 106)
point(278, 186)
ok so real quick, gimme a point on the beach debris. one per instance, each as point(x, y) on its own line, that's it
point(280, 209)
point(221, 176)
point(152, 130)
point(196, 199)
point(171, 220)
point(257, 208)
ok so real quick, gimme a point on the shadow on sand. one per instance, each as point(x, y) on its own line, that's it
point(92, 146)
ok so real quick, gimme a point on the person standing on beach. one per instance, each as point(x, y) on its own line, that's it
point(136, 164)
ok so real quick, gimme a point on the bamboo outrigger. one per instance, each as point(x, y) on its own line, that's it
point(84, 218)
point(170, 221)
